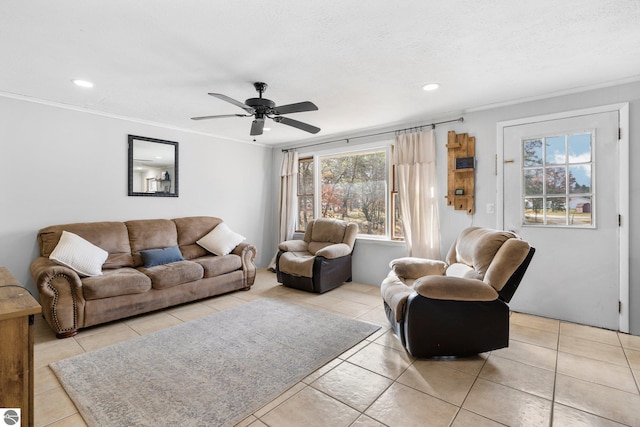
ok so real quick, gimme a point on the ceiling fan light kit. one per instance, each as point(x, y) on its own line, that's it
point(261, 108)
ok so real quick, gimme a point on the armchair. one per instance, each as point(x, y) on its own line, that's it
point(321, 261)
point(458, 307)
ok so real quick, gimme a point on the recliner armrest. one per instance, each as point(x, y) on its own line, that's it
point(395, 293)
point(334, 251)
point(414, 268)
point(454, 288)
point(293, 246)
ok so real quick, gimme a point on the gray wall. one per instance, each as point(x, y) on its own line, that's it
point(371, 258)
point(62, 166)
point(59, 166)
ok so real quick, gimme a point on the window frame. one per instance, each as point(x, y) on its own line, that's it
point(389, 184)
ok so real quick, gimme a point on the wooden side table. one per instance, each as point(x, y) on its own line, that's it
point(17, 310)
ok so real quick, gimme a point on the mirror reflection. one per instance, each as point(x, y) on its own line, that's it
point(153, 167)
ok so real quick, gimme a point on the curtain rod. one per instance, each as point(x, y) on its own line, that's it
point(433, 125)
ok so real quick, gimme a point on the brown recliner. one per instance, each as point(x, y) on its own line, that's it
point(321, 261)
point(458, 307)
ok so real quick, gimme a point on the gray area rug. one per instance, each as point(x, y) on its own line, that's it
point(213, 371)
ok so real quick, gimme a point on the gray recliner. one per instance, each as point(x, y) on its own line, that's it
point(321, 261)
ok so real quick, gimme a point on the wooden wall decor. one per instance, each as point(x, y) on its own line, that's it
point(461, 152)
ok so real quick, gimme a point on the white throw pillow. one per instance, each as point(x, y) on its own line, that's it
point(82, 256)
point(221, 240)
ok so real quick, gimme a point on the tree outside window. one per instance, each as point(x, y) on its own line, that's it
point(352, 187)
point(305, 192)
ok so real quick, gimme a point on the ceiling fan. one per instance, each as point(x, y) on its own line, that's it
point(262, 108)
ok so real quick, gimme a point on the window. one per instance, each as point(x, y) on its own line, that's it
point(557, 180)
point(351, 187)
point(397, 232)
point(305, 192)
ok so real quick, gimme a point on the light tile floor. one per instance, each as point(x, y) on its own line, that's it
point(552, 373)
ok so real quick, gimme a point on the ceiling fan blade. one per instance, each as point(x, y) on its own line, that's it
point(220, 116)
point(257, 127)
point(295, 108)
point(242, 105)
point(297, 124)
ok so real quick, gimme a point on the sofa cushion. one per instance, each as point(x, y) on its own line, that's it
point(150, 234)
point(173, 274)
point(328, 230)
point(78, 254)
point(121, 281)
point(314, 247)
point(217, 265)
point(297, 263)
point(477, 247)
point(192, 229)
point(153, 257)
point(110, 236)
point(221, 240)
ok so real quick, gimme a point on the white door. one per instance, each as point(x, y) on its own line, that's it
point(561, 193)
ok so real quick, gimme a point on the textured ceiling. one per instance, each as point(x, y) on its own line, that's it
point(363, 63)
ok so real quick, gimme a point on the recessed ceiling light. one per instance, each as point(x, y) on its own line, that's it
point(82, 83)
point(267, 129)
point(430, 86)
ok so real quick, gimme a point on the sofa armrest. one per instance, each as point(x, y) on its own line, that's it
point(334, 251)
point(247, 253)
point(293, 246)
point(454, 289)
point(60, 294)
point(414, 268)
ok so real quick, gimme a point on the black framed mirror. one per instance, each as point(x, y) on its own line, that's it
point(153, 167)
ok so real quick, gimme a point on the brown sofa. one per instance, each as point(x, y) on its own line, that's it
point(126, 287)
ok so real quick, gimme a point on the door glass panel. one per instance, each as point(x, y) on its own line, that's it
point(580, 148)
point(556, 210)
point(533, 182)
point(580, 210)
point(580, 179)
point(532, 153)
point(556, 150)
point(533, 213)
point(556, 180)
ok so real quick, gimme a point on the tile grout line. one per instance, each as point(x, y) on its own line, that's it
point(636, 380)
point(477, 376)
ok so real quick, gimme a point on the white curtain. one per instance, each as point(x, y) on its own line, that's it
point(288, 198)
point(414, 156)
